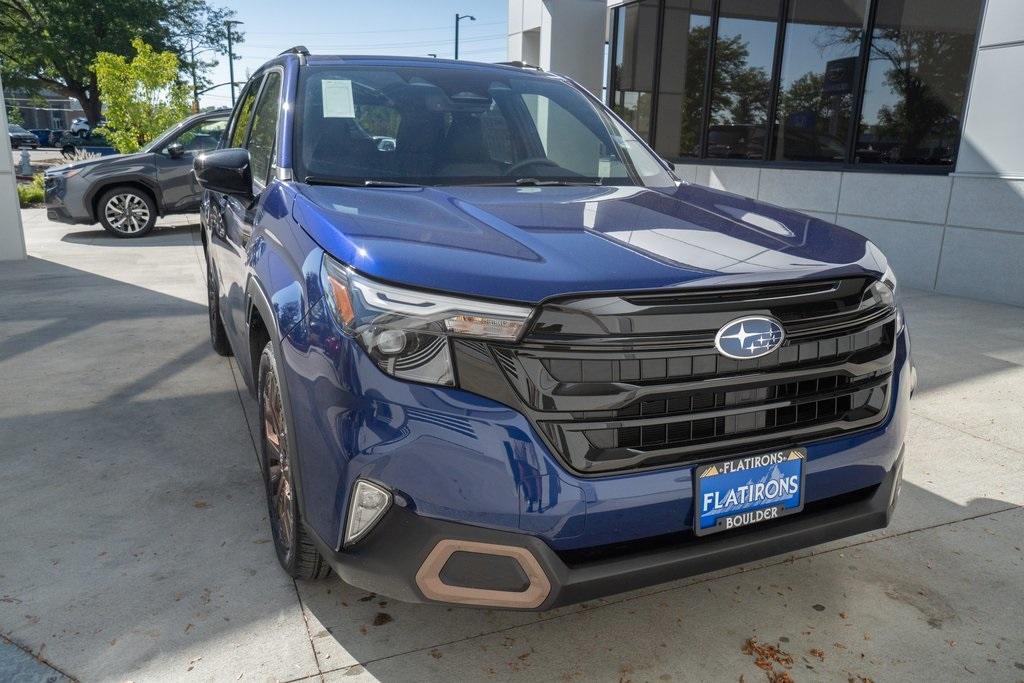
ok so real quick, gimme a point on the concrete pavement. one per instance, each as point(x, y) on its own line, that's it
point(135, 542)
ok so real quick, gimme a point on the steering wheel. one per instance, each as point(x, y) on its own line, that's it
point(531, 161)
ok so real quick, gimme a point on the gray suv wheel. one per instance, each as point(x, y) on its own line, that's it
point(126, 212)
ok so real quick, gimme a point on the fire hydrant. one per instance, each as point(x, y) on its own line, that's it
point(25, 166)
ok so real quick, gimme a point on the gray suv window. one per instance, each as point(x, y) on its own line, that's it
point(202, 137)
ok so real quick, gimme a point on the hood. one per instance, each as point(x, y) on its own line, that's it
point(110, 159)
point(531, 243)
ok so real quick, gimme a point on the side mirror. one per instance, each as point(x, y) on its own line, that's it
point(175, 150)
point(226, 171)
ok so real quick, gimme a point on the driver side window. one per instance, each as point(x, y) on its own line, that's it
point(242, 116)
point(201, 137)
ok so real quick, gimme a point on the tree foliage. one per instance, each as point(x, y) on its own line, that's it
point(14, 115)
point(52, 44)
point(143, 96)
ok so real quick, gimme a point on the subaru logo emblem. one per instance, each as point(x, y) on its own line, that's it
point(750, 337)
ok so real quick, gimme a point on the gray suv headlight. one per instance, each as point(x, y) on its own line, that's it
point(406, 331)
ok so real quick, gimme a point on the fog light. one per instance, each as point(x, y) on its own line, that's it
point(369, 503)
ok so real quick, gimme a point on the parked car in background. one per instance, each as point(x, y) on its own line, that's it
point(512, 361)
point(127, 192)
point(21, 137)
point(56, 136)
point(42, 135)
point(80, 127)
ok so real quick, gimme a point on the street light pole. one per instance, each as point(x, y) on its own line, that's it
point(458, 18)
point(231, 57)
point(195, 82)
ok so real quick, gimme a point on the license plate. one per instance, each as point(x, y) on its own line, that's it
point(756, 488)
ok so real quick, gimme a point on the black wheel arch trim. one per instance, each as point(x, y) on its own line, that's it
point(108, 182)
point(257, 299)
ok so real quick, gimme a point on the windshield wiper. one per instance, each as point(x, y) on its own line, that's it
point(319, 180)
point(563, 183)
point(537, 182)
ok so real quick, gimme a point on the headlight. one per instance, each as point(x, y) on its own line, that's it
point(406, 331)
point(882, 292)
point(889, 278)
point(67, 173)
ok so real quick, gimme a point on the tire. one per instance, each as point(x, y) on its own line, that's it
point(294, 545)
point(126, 212)
point(218, 336)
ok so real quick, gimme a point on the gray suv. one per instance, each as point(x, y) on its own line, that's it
point(126, 192)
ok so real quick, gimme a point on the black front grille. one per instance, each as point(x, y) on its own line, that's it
point(641, 385)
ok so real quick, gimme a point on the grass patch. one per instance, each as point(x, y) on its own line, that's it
point(31, 193)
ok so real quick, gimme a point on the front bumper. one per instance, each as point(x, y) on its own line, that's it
point(466, 468)
point(399, 558)
point(58, 208)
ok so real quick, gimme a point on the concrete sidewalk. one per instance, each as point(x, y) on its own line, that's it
point(135, 544)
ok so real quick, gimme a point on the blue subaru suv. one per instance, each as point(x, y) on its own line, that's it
point(504, 357)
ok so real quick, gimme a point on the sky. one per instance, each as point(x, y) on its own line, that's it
point(385, 27)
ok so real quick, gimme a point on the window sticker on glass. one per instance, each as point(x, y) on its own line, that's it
point(337, 96)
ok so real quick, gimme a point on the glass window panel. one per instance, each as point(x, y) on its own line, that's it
point(741, 83)
point(200, 138)
point(242, 115)
point(264, 129)
point(917, 78)
point(684, 64)
point(818, 79)
point(633, 67)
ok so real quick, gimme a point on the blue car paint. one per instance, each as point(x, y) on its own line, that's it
point(457, 456)
point(528, 244)
point(454, 455)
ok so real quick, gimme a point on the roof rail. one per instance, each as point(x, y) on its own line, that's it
point(521, 65)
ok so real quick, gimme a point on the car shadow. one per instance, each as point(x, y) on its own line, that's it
point(354, 632)
point(173, 234)
point(135, 528)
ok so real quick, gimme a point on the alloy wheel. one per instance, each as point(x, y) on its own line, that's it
point(278, 473)
point(126, 213)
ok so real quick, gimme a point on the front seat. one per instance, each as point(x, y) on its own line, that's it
point(416, 142)
point(464, 152)
point(342, 148)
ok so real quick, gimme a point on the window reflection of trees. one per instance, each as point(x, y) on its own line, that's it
point(917, 74)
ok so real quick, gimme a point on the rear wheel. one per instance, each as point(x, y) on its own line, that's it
point(295, 550)
point(127, 212)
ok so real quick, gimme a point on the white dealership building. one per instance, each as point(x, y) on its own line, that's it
point(899, 119)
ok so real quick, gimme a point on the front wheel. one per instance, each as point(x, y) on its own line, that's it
point(127, 212)
point(218, 336)
point(295, 549)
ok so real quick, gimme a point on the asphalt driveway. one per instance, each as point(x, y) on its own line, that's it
point(134, 542)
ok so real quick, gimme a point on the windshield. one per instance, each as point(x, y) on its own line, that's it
point(15, 128)
point(459, 126)
point(159, 139)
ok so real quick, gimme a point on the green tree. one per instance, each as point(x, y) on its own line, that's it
point(143, 96)
point(14, 115)
point(52, 44)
